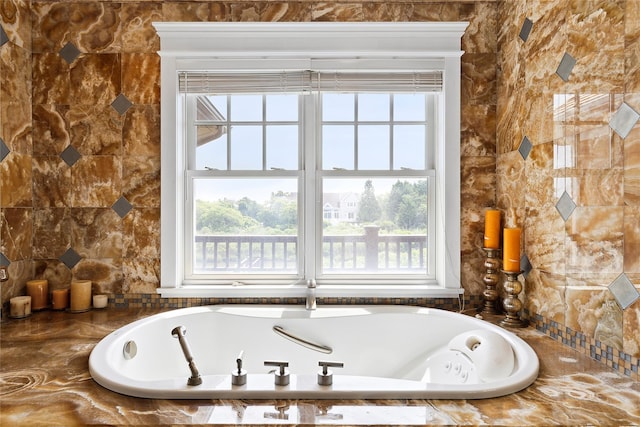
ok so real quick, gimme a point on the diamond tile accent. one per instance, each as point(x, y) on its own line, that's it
point(565, 206)
point(70, 155)
point(4, 260)
point(526, 29)
point(624, 120)
point(566, 66)
point(122, 207)
point(525, 147)
point(4, 150)
point(4, 38)
point(624, 291)
point(69, 52)
point(525, 265)
point(70, 258)
point(121, 104)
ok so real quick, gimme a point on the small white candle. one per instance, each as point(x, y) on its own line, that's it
point(20, 306)
point(100, 301)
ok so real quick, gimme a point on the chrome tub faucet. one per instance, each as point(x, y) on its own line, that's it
point(311, 295)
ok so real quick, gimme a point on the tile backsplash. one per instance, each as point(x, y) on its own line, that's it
point(80, 139)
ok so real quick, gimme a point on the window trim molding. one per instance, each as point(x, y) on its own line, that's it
point(266, 45)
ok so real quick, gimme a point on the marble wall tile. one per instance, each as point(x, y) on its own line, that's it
point(545, 294)
point(594, 240)
point(15, 65)
point(478, 79)
point(632, 239)
point(51, 79)
point(540, 113)
point(16, 22)
point(141, 131)
point(106, 274)
point(481, 34)
point(630, 322)
point(478, 130)
point(51, 182)
point(141, 180)
point(138, 34)
point(15, 180)
point(186, 12)
point(95, 79)
point(51, 232)
point(137, 90)
point(51, 133)
point(598, 187)
point(141, 275)
point(544, 239)
point(392, 12)
point(539, 176)
point(593, 311)
point(478, 181)
point(16, 225)
point(632, 167)
point(56, 273)
point(326, 11)
point(632, 47)
point(95, 129)
point(141, 233)
point(16, 131)
point(510, 180)
point(283, 11)
point(436, 11)
point(96, 181)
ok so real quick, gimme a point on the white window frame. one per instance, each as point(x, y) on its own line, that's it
point(244, 46)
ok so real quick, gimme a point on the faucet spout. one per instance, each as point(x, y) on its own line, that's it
point(311, 295)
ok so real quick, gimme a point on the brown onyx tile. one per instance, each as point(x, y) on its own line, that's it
point(544, 239)
point(95, 79)
point(471, 273)
point(90, 26)
point(388, 12)
point(15, 66)
point(545, 294)
point(51, 81)
point(592, 145)
point(596, 187)
point(509, 118)
point(510, 182)
point(324, 11)
point(245, 11)
point(477, 130)
point(16, 125)
point(594, 240)
point(472, 230)
point(632, 239)
point(632, 47)
point(16, 22)
point(96, 232)
point(596, 106)
point(50, 129)
point(632, 167)
point(95, 181)
point(141, 133)
point(540, 115)
point(51, 182)
point(141, 77)
point(286, 11)
point(478, 79)
point(141, 233)
point(138, 33)
point(141, 275)
point(95, 129)
point(51, 232)
point(436, 11)
point(19, 272)
point(16, 225)
point(481, 34)
point(105, 274)
point(173, 11)
point(15, 180)
point(599, 66)
point(540, 180)
point(141, 180)
point(630, 336)
point(219, 11)
point(478, 180)
point(593, 311)
point(57, 274)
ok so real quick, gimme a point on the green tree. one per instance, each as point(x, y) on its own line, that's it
point(220, 217)
point(369, 209)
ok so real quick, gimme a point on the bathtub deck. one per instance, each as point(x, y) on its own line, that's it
point(44, 380)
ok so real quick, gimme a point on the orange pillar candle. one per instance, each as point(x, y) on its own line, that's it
point(511, 249)
point(38, 290)
point(60, 299)
point(492, 229)
point(80, 295)
point(20, 306)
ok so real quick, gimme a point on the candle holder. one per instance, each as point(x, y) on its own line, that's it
point(512, 305)
point(490, 279)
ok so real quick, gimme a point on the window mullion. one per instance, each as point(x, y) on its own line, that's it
point(311, 248)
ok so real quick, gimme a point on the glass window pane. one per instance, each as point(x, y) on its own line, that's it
point(376, 225)
point(373, 107)
point(337, 147)
point(409, 107)
point(246, 108)
point(409, 147)
point(245, 225)
point(211, 152)
point(338, 107)
point(282, 147)
point(211, 108)
point(373, 147)
point(246, 147)
point(282, 108)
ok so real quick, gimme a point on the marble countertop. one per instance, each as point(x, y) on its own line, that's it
point(44, 380)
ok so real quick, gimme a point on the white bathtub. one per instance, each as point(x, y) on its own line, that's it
point(389, 352)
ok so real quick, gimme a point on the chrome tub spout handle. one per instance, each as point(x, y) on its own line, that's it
point(180, 332)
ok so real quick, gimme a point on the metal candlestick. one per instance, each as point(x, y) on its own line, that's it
point(490, 279)
point(512, 305)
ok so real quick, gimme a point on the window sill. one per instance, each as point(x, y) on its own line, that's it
point(299, 291)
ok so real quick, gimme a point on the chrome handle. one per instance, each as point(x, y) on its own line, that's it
point(303, 342)
point(325, 376)
point(239, 376)
point(281, 376)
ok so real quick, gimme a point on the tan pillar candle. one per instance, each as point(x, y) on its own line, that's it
point(20, 306)
point(38, 290)
point(80, 295)
point(60, 299)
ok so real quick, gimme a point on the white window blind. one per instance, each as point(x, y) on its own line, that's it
point(305, 81)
